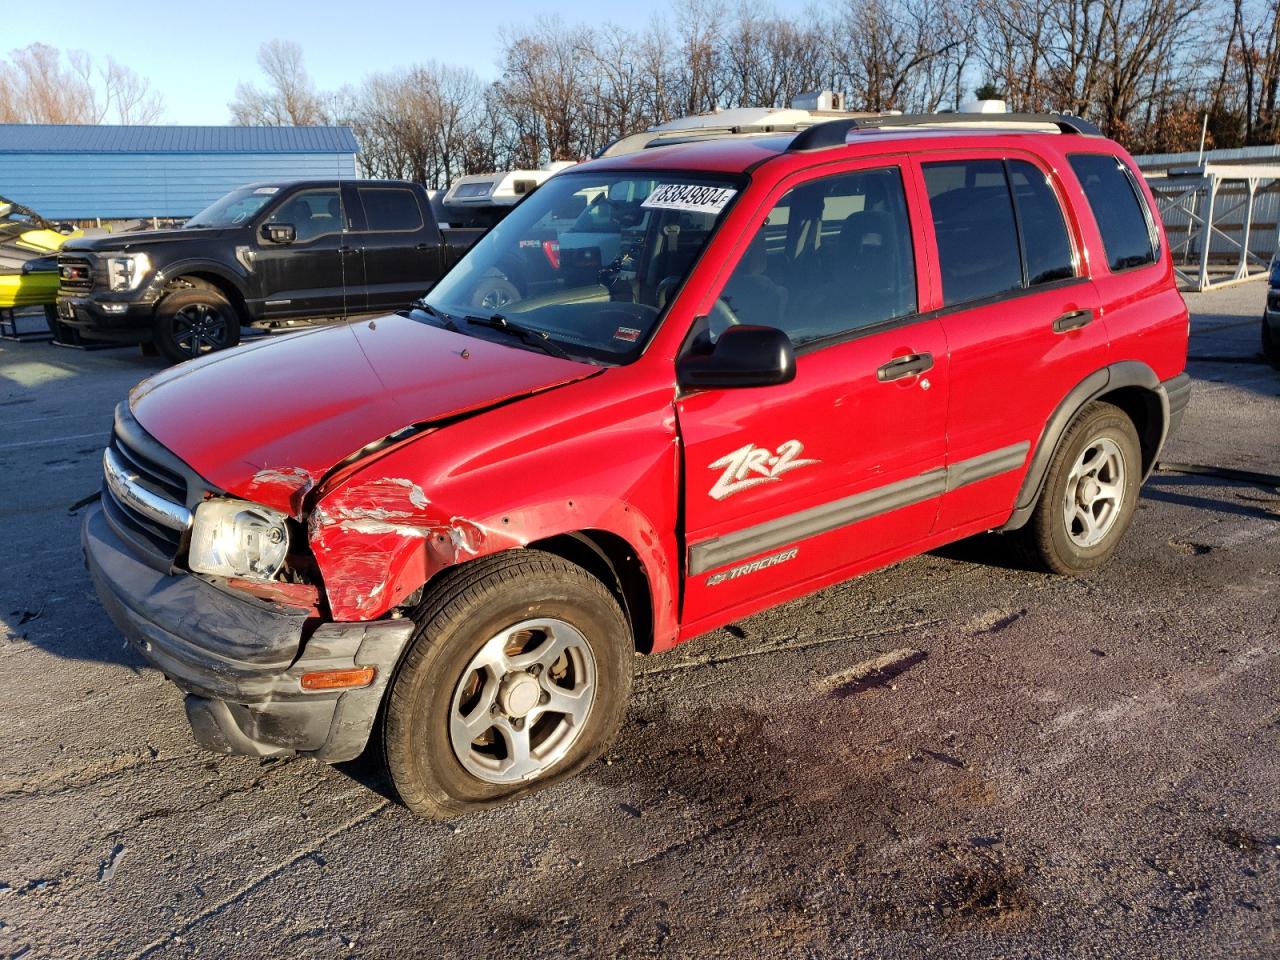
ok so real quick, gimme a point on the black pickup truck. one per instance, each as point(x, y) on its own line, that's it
point(265, 255)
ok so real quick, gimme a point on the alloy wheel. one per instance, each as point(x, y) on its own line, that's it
point(199, 328)
point(1095, 493)
point(522, 701)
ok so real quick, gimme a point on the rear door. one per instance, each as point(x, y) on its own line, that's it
point(400, 244)
point(788, 487)
point(311, 276)
point(1020, 316)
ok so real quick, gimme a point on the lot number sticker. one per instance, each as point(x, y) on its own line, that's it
point(689, 197)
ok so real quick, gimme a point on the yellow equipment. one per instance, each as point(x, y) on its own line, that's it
point(28, 242)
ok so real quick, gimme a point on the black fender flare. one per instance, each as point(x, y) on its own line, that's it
point(180, 268)
point(1116, 376)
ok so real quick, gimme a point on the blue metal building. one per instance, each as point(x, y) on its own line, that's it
point(75, 172)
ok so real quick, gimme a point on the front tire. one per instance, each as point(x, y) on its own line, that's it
point(193, 320)
point(517, 678)
point(1089, 494)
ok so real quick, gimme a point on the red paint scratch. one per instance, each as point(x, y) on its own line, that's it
point(281, 485)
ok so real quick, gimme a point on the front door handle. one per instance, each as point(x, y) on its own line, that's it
point(908, 366)
point(346, 250)
point(1073, 321)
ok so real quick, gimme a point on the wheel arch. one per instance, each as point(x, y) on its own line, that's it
point(612, 560)
point(220, 281)
point(1130, 385)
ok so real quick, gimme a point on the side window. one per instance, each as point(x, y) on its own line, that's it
point(390, 208)
point(313, 213)
point(1045, 244)
point(973, 220)
point(1128, 233)
point(833, 256)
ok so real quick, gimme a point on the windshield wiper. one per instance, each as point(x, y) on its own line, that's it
point(535, 338)
point(421, 304)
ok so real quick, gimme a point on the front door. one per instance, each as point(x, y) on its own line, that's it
point(794, 486)
point(317, 274)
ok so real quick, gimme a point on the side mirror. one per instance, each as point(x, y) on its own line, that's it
point(745, 356)
point(279, 232)
point(522, 187)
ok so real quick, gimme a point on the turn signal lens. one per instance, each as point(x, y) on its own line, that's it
point(338, 679)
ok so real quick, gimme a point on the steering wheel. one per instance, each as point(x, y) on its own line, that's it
point(721, 318)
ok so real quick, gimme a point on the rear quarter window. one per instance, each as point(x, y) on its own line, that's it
point(1128, 232)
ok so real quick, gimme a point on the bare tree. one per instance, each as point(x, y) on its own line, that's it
point(39, 84)
point(289, 99)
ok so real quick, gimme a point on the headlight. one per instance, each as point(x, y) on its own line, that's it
point(234, 538)
point(126, 272)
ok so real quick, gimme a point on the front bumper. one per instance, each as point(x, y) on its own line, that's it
point(106, 319)
point(239, 660)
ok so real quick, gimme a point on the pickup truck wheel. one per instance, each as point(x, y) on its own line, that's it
point(518, 677)
point(492, 294)
point(1089, 494)
point(194, 320)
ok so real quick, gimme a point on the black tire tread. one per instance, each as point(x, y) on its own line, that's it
point(184, 285)
point(453, 597)
point(1033, 545)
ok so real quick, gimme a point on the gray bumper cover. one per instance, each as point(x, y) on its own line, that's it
point(239, 660)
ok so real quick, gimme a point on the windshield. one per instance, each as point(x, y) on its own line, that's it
point(233, 209)
point(589, 262)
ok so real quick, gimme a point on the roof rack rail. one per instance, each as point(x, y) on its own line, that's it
point(833, 133)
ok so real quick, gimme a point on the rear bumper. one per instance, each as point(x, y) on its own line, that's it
point(239, 660)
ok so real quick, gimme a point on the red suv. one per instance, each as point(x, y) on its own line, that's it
point(775, 362)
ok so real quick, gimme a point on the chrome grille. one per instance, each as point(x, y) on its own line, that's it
point(74, 273)
point(145, 500)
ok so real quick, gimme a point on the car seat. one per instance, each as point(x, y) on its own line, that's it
point(751, 293)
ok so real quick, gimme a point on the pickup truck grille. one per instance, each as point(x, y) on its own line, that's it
point(75, 274)
point(143, 496)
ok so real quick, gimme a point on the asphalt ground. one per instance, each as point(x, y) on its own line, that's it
point(951, 757)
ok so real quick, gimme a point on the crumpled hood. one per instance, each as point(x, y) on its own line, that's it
point(267, 421)
point(141, 239)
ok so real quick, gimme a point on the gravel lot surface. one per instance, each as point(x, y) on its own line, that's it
point(948, 757)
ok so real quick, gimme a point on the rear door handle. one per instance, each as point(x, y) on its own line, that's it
point(1073, 321)
point(424, 246)
point(908, 366)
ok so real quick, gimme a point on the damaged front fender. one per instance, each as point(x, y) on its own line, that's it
point(376, 541)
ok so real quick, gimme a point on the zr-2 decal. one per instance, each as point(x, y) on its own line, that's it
point(733, 573)
point(751, 466)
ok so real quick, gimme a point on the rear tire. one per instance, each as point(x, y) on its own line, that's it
point(471, 718)
point(193, 320)
point(1089, 494)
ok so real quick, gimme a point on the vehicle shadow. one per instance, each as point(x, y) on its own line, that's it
point(1171, 487)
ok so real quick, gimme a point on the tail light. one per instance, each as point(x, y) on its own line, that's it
point(551, 250)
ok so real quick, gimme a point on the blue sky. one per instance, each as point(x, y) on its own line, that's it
point(195, 61)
